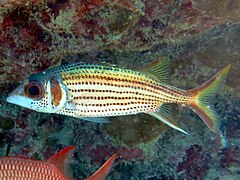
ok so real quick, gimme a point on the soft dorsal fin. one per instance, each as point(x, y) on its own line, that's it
point(61, 160)
point(159, 69)
point(101, 173)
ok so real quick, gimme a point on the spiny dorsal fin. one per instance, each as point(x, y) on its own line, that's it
point(104, 170)
point(61, 160)
point(159, 69)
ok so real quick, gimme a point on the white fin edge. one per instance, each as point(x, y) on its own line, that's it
point(167, 121)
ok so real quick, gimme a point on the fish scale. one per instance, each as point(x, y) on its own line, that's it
point(93, 92)
point(18, 168)
point(100, 92)
point(55, 168)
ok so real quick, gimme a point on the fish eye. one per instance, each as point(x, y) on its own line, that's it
point(34, 90)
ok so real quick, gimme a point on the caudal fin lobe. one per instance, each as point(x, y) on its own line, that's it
point(202, 95)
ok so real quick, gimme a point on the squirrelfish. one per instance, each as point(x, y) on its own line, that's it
point(55, 168)
point(94, 92)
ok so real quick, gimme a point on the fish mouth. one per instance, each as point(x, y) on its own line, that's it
point(15, 97)
point(10, 99)
point(18, 100)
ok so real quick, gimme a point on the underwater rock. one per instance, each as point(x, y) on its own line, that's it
point(134, 129)
point(6, 123)
point(85, 25)
point(6, 139)
point(24, 47)
point(21, 119)
point(230, 156)
point(226, 10)
point(97, 153)
point(37, 34)
point(194, 164)
point(211, 57)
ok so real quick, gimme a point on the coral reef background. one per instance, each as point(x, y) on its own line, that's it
point(198, 36)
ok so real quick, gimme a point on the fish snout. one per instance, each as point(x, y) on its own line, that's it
point(17, 97)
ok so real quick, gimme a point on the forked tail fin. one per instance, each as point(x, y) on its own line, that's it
point(202, 94)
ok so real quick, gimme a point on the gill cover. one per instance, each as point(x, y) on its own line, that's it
point(40, 92)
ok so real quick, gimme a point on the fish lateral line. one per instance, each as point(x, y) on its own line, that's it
point(94, 92)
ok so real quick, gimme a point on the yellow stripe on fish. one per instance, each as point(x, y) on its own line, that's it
point(93, 92)
point(110, 95)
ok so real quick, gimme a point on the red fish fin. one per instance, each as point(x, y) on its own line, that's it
point(20, 157)
point(159, 69)
point(61, 160)
point(101, 173)
point(202, 96)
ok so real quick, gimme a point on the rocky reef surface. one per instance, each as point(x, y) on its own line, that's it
point(198, 36)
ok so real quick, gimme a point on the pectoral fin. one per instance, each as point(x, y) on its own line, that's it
point(167, 121)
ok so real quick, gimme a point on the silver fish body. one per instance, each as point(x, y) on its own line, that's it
point(87, 90)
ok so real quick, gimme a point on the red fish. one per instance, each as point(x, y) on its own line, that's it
point(55, 168)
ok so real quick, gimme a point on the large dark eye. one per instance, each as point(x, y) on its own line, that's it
point(34, 90)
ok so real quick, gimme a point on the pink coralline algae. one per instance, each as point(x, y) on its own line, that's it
point(98, 153)
point(225, 10)
point(230, 156)
point(24, 46)
point(37, 34)
point(194, 164)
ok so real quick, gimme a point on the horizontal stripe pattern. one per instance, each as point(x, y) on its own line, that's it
point(12, 168)
point(115, 91)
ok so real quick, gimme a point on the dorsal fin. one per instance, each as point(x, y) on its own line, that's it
point(101, 173)
point(158, 69)
point(61, 160)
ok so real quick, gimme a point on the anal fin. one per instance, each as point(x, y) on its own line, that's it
point(164, 115)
